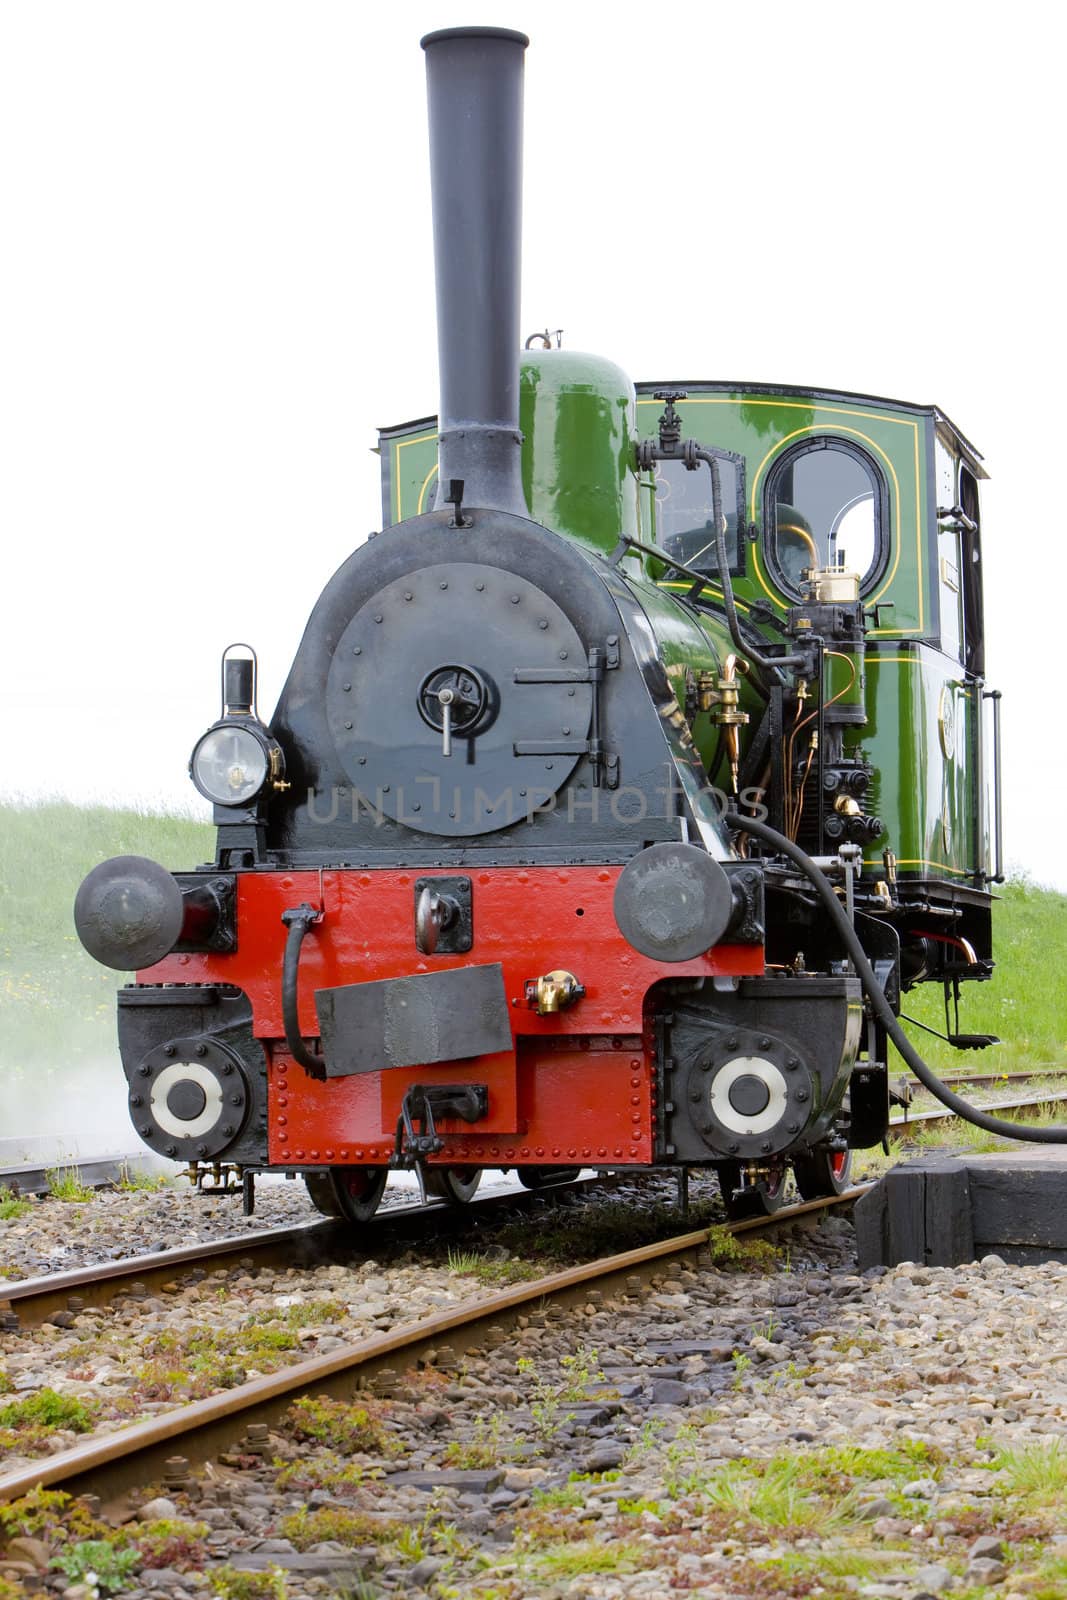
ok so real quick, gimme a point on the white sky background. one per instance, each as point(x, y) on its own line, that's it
point(216, 280)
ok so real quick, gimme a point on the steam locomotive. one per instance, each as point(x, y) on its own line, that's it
point(618, 787)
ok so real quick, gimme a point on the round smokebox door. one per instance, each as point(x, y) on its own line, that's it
point(454, 699)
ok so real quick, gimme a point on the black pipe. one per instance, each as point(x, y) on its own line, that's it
point(766, 663)
point(474, 87)
point(298, 920)
point(876, 995)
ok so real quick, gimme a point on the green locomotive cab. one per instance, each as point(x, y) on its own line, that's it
point(850, 530)
point(847, 499)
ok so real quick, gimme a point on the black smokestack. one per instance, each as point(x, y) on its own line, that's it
point(474, 84)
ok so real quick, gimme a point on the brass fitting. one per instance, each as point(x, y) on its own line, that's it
point(720, 695)
point(554, 992)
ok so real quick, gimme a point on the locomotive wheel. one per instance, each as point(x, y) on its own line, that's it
point(545, 1177)
point(457, 1185)
point(822, 1172)
point(351, 1193)
point(761, 1199)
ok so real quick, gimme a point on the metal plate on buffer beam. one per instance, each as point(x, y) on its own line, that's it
point(412, 1022)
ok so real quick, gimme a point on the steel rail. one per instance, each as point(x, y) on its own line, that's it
point(35, 1300)
point(103, 1173)
point(108, 1465)
point(940, 1114)
point(977, 1079)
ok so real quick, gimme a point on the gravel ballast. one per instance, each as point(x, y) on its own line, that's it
point(729, 1433)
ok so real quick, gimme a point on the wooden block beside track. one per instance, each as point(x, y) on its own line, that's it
point(943, 1209)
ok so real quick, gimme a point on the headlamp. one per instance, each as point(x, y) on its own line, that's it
point(236, 757)
point(230, 763)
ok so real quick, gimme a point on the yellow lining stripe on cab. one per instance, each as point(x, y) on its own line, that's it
point(938, 866)
point(402, 444)
point(831, 411)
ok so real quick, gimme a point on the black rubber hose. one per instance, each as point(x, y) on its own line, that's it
point(875, 994)
point(298, 921)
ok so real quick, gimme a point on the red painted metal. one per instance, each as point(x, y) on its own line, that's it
point(578, 1086)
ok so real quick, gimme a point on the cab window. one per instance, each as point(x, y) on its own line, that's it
point(684, 524)
point(825, 506)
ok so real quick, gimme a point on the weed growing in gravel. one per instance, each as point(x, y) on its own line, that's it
point(6, 1386)
point(578, 1232)
point(99, 1564)
point(566, 1498)
point(682, 1473)
point(1038, 1476)
point(25, 1425)
point(745, 1253)
point(66, 1183)
point(847, 1563)
point(170, 1542)
point(582, 1559)
point(49, 1514)
point(348, 1429)
point(1051, 1579)
point(835, 1468)
point(775, 1497)
point(325, 1471)
point(549, 1399)
point(131, 1180)
point(741, 1362)
point(359, 1589)
point(304, 1314)
point(491, 1269)
point(769, 1580)
point(11, 1206)
point(193, 1365)
point(351, 1528)
point(483, 1450)
point(230, 1584)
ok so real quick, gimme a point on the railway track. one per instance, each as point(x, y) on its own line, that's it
point(36, 1177)
point(34, 1301)
point(975, 1080)
point(908, 1118)
point(165, 1447)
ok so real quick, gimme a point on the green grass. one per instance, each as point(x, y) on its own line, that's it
point(1020, 1004)
point(65, 1183)
point(1037, 1476)
point(57, 1006)
point(11, 1206)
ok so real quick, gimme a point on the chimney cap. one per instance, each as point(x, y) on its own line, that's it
point(508, 34)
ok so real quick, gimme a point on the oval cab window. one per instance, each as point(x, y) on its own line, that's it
point(824, 507)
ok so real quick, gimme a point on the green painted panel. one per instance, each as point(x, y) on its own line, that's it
point(760, 426)
point(921, 739)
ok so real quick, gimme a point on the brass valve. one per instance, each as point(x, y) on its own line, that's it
point(720, 696)
point(554, 992)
